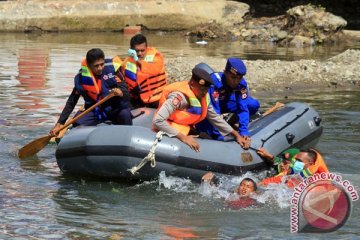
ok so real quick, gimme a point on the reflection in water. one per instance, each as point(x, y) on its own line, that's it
point(179, 233)
point(173, 45)
point(32, 65)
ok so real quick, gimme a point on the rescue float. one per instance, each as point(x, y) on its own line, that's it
point(113, 151)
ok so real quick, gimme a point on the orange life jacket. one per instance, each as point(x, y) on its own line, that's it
point(291, 181)
point(97, 88)
point(92, 86)
point(183, 119)
point(318, 167)
point(147, 76)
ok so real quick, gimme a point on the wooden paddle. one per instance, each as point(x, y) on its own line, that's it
point(62, 132)
point(278, 105)
point(35, 146)
point(273, 108)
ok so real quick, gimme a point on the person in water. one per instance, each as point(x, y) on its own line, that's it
point(293, 161)
point(183, 104)
point(246, 189)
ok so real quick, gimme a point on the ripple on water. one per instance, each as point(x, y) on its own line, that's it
point(37, 202)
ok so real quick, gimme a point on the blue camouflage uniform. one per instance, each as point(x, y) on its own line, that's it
point(227, 100)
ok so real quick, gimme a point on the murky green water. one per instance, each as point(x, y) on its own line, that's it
point(37, 202)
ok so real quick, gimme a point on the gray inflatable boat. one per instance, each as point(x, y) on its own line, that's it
point(110, 151)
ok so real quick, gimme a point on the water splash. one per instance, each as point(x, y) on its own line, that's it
point(175, 183)
point(273, 195)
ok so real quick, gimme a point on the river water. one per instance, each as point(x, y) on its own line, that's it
point(38, 202)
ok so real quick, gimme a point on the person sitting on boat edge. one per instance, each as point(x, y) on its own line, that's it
point(183, 104)
point(230, 94)
point(293, 161)
point(246, 189)
point(144, 72)
point(96, 78)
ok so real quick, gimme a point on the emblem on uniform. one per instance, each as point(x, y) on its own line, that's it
point(243, 93)
point(105, 77)
point(215, 96)
point(110, 75)
point(233, 70)
point(202, 82)
point(176, 100)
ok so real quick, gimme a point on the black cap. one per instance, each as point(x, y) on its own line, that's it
point(202, 74)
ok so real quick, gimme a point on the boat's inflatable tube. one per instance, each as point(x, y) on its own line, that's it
point(109, 150)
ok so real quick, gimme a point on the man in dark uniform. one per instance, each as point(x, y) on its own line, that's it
point(183, 104)
point(230, 94)
point(97, 77)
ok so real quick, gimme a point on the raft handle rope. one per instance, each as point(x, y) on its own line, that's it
point(151, 155)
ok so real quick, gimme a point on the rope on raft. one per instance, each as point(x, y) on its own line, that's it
point(151, 155)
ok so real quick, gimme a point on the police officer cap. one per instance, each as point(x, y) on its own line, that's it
point(235, 66)
point(202, 74)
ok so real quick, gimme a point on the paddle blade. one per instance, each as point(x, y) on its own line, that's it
point(33, 147)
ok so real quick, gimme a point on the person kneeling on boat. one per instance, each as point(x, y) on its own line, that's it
point(230, 95)
point(245, 190)
point(183, 104)
point(304, 163)
point(96, 78)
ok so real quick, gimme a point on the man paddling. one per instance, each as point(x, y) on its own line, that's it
point(96, 78)
point(183, 104)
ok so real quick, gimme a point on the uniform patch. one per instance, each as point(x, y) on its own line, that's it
point(243, 93)
point(215, 95)
point(222, 94)
point(177, 100)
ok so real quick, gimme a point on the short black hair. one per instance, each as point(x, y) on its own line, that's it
point(137, 39)
point(94, 54)
point(250, 180)
point(311, 153)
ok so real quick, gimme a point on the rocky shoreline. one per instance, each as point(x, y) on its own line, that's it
point(300, 26)
point(339, 72)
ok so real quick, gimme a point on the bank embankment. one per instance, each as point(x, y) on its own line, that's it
point(341, 71)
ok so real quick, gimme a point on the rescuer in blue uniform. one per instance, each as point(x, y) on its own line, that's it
point(230, 94)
